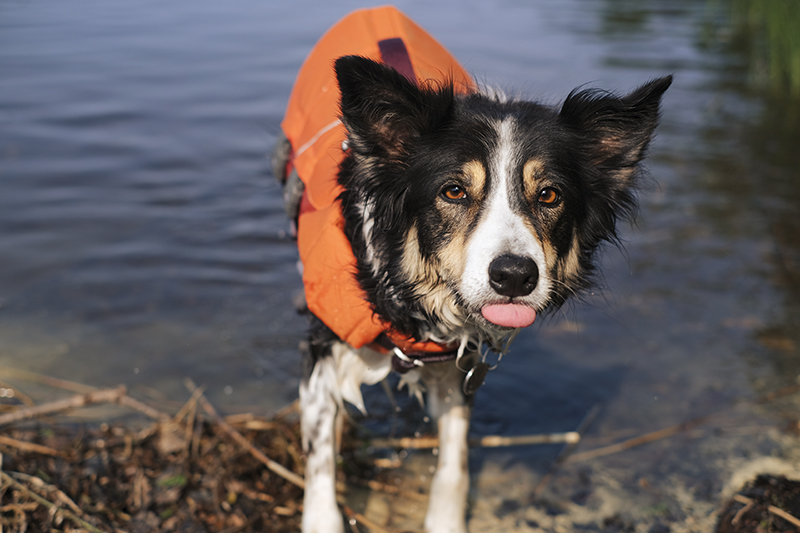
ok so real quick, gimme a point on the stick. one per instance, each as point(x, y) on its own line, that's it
point(493, 441)
point(189, 405)
point(80, 389)
point(390, 489)
point(637, 441)
point(53, 508)
point(771, 508)
point(39, 482)
point(358, 517)
point(748, 504)
point(46, 380)
point(21, 396)
point(293, 407)
point(783, 514)
point(79, 400)
point(30, 447)
point(143, 408)
point(568, 449)
point(489, 441)
point(275, 467)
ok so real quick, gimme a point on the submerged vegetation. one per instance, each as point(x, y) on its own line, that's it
point(770, 29)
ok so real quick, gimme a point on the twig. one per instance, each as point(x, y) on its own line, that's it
point(46, 380)
point(188, 430)
point(568, 449)
point(38, 482)
point(143, 408)
point(287, 410)
point(749, 502)
point(249, 421)
point(358, 517)
point(390, 489)
point(53, 508)
point(494, 441)
point(189, 405)
point(80, 389)
point(488, 441)
point(275, 467)
point(25, 507)
point(80, 400)
point(21, 396)
point(783, 514)
point(30, 447)
point(412, 443)
point(637, 441)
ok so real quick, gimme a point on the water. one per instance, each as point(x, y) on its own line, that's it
point(142, 238)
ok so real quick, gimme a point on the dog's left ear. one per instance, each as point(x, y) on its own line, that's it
point(616, 129)
point(383, 110)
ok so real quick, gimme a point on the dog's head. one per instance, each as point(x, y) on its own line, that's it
point(478, 211)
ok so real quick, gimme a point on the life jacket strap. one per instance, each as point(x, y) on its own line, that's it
point(395, 54)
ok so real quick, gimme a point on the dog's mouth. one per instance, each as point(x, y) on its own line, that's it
point(509, 315)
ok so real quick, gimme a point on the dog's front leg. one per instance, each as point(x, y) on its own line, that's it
point(319, 408)
point(447, 504)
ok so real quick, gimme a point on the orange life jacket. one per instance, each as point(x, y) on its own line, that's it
point(313, 128)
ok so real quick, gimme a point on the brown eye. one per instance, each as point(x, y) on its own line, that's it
point(549, 197)
point(454, 192)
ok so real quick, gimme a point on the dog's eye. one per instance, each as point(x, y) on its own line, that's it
point(549, 197)
point(454, 192)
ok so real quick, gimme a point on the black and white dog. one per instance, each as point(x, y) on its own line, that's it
point(468, 213)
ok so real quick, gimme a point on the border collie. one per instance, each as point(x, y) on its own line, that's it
point(448, 217)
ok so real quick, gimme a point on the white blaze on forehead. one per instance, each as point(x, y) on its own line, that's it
point(500, 229)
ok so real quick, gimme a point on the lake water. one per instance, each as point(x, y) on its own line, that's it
point(142, 238)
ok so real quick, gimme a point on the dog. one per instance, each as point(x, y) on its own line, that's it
point(435, 219)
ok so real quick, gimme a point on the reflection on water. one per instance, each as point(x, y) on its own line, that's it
point(762, 38)
point(142, 239)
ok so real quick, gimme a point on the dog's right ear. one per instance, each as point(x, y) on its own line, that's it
point(384, 110)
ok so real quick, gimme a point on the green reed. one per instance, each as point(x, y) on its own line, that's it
point(773, 29)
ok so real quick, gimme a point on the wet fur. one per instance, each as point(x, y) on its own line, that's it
point(422, 257)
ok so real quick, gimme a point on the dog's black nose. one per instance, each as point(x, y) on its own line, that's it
point(513, 275)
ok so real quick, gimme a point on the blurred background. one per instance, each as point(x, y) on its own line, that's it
point(142, 237)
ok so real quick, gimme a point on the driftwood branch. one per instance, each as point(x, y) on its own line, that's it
point(79, 400)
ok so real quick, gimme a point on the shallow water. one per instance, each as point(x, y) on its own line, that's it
point(142, 238)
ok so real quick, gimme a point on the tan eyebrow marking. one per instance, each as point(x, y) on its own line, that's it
point(476, 173)
point(531, 172)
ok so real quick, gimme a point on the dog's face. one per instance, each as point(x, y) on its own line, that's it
point(478, 211)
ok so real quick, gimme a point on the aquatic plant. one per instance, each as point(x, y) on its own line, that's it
point(772, 28)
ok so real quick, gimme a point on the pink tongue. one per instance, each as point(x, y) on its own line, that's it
point(509, 315)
